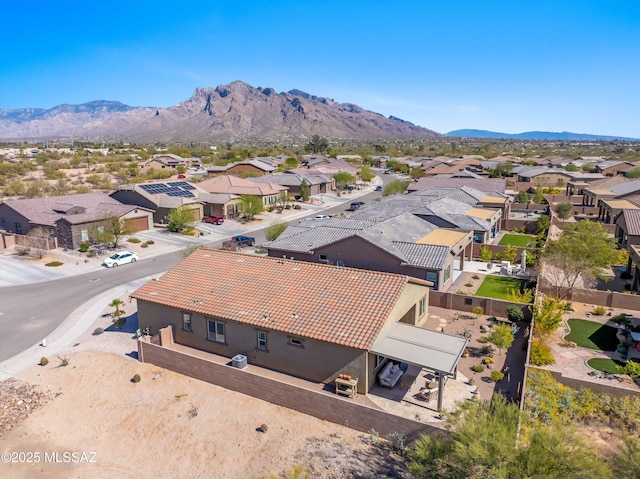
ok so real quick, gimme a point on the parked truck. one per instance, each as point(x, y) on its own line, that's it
point(238, 242)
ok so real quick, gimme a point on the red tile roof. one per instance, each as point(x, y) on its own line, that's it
point(335, 304)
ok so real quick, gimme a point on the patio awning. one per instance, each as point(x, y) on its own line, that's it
point(439, 352)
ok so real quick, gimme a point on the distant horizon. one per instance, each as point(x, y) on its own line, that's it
point(530, 65)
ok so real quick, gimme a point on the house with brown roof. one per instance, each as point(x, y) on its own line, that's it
point(248, 168)
point(228, 184)
point(611, 167)
point(312, 321)
point(168, 161)
point(71, 218)
point(318, 183)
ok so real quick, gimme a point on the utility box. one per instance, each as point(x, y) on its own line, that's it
point(239, 361)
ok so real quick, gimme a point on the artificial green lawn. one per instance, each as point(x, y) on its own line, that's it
point(592, 335)
point(605, 365)
point(515, 240)
point(498, 286)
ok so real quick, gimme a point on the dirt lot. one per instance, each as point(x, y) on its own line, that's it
point(168, 425)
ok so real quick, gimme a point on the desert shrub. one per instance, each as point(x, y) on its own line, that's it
point(496, 376)
point(483, 339)
point(150, 242)
point(264, 427)
point(475, 276)
point(599, 310)
point(297, 207)
point(135, 378)
point(84, 247)
point(144, 245)
point(468, 285)
point(22, 250)
point(541, 354)
point(477, 368)
point(64, 361)
point(98, 331)
point(516, 296)
point(43, 361)
point(134, 240)
point(488, 360)
point(486, 350)
point(54, 263)
point(514, 314)
point(486, 254)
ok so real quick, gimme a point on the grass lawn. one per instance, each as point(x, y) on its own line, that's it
point(605, 365)
point(515, 240)
point(498, 286)
point(592, 335)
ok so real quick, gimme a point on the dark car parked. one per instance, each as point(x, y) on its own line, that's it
point(355, 205)
point(244, 240)
point(215, 219)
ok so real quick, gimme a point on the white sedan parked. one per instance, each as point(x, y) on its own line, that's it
point(122, 257)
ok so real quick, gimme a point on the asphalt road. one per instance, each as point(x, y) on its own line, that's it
point(29, 313)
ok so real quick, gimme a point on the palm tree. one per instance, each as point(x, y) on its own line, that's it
point(119, 321)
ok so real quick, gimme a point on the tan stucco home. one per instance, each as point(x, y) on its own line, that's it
point(312, 321)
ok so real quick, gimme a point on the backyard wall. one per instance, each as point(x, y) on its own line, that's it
point(461, 302)
point(592, 296)
point(595, 387)
point(495, 248)
point(323, 405)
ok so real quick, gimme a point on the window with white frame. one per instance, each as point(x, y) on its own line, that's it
point(323, 258)
point(186, 321)
point(215, 331)
point(262, 340)
point(423, 306)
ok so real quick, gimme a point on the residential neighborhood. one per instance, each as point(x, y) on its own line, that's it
point(386, 315)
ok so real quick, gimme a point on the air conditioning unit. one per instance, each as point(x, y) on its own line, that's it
point(239, 361)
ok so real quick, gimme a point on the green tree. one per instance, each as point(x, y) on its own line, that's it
point(110, 230)
point(501, 336)
point(283, 199)
point(316, 145)
point(395, 187)
point(538, 197)
point(522, 197)
point(251, 205)
point(181, 169)
point(290, 163)
point(486, 254)
point(416, 173)
point(571, 167)
point(305, 190)
point(275, 229)
point(634, 173)
point(548, 315)
point(627, 462)
point(542, 225)
point(630, 368)
point(118, 315)
point(580, 254)
point(484, 444)
point(342, 179)
point(563, 210)
point(181, 218)
point(366, 174)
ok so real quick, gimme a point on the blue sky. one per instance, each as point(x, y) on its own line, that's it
point(503, 65)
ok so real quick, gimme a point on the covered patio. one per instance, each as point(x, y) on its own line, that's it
point(434, 351)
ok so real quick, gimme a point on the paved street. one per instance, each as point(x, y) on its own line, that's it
point(35, 300)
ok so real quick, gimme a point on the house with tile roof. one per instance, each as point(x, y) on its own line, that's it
point(318, 183)
point(611, 167)
point(168, 161)
point(402, 244)
point(458, 208)
point(313, 321)
point(228, 184)
point(71, 218)
point(254, 167)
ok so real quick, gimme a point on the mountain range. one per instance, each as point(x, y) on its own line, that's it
point(233, 111)
point(536, 135)
point(236, 110)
